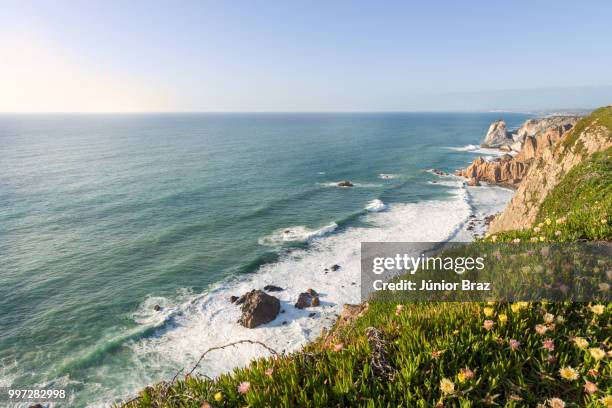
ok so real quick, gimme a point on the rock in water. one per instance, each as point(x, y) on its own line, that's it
point(272, 288)
point(335, 267)
point(157, 308)
point(345, 183)
point(258, 308)
point(233, 299)
point(309, 298)
point(498, 135)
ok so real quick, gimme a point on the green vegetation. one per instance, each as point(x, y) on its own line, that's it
point(601, 117)
point(578, 208)
point(428, 354)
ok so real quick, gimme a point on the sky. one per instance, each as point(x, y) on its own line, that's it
point(262, 56)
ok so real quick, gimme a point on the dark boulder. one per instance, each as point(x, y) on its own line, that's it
point(157, 308)
point(310, 298)
point(345, 183)
point(258, 308)
point(272, 288)
point(335, 267)
point(233, 299)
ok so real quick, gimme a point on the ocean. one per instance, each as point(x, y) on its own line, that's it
point(103, 217)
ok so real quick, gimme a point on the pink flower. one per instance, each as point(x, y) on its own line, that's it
point(244, 387)
point(514, 344)
point(488, 324)
point(541, 329)
point(549, 345)
point(551, 359)
point(269, 372)
point(556, 403)
point(589, 387)
point(339, 347)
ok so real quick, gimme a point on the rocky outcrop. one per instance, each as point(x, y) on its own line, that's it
point(497, 135)
point(345, 183)
point(535, 136)
point(592, 134)
point(310, 298)
point(500, 171)
point(257, 308)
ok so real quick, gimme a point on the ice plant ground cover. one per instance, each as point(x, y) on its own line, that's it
point(450, 354)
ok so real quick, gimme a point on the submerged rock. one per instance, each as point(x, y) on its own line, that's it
point(335, 267)
point(345, 183)
point(439, 172)
point(272, 288)
point(157, 308)
point(258, 308)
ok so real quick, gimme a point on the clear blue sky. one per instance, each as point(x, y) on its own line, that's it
point(304, 55)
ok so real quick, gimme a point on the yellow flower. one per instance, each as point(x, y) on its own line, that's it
point(597, 353)
point(568, 373)
point(542, 239)
point(548, 221)
point(503, 318)
point(218, 397)
point(560, 319)
point(465, 374)
point(447, 386)
point(549, 318)
point(581, 342)
point(494, 238)
point(607, 401)
point(598, 309)
point(518, 306)
point(604, 221)
point(488, 311)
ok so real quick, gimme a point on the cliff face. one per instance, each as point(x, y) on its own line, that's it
point(536, 135)
point(550, 163)
point(534, 126)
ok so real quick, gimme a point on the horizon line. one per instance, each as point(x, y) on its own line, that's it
point(288, 112)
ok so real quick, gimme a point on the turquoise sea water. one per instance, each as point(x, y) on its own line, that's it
point(101, 216)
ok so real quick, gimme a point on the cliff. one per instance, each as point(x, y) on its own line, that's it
point(591, 134)
point(529, 141)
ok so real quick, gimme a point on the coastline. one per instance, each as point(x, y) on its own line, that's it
point(208, 320)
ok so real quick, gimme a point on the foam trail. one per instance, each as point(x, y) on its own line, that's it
point(376, 206)
point(478, 150)
point(295, 234)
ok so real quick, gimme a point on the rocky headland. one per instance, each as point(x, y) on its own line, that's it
point(522, 146)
